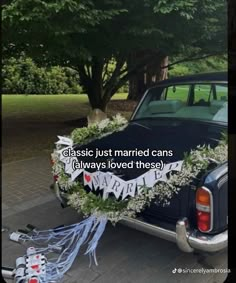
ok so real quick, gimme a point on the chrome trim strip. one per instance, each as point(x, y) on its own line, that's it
point(149, 228)
point(187, 241)
point(202, 207)
point(140, 102)
point(190, 83)
point(222, 180)
point(217, 173)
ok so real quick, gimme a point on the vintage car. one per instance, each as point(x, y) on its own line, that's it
point(180, 114)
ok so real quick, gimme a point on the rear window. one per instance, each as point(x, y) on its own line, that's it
point(187, 101)
point(202, 93)
point(179, 92)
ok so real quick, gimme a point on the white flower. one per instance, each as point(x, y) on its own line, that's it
point(120, 119)
point(103, 124)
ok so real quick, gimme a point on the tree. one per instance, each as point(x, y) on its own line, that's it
point(87, 35)
point(148, 76)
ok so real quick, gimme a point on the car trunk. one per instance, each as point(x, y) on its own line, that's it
point(181, 136)
point(181, 205)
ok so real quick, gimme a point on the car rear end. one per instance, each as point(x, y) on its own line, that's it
point(196, 218)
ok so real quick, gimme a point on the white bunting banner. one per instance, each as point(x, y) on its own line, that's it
point(110, 183)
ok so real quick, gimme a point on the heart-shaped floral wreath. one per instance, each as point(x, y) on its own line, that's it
point(195, 163)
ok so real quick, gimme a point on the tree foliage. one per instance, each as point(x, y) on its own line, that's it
point(87, 35)
point(23, 76)
point(211, 64)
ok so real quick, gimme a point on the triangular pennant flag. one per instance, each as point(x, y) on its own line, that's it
point(104, 181)
point(96, 180)
point(88, 179)
point(129, 188)
point(68, 166)
point(116, 186)
point(176, 166)
point(156, 175)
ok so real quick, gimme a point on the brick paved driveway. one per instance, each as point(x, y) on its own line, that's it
point(124, 255)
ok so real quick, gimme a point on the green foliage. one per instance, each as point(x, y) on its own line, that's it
point(212, 64)
point(86, 134)
point(74, 31)
point(179, 70)
point(93, 202)
point(23, 76)
point(224, 137)
point(87, 34)
point(124, 88)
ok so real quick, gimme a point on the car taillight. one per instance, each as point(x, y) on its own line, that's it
point(204, 206)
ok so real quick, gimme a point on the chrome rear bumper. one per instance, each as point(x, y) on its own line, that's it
point(186, 240)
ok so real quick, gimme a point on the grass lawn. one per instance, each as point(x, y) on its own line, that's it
point(51, 108)
point(31, 123)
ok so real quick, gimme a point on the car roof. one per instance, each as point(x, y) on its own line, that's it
point(205, 77)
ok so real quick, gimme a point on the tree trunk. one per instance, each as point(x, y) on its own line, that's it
point(99, 96)
point(149, 76)
point(96, 100)
point(93, 84)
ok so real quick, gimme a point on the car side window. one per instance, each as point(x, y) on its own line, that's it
point(178, 92)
